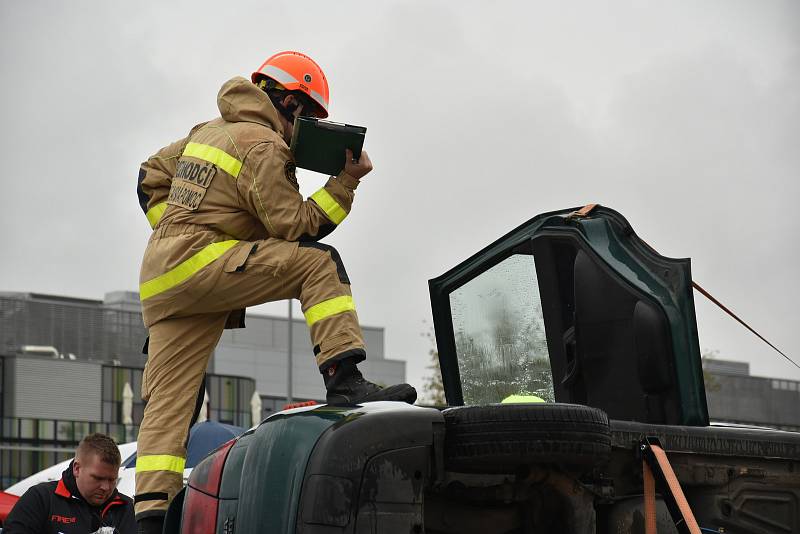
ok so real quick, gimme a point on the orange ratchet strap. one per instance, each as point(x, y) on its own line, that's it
point(707, 295)
point(583, 212)
point(649, 499)
point(658, 472)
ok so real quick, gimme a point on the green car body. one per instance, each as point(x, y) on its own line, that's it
point(571, 307)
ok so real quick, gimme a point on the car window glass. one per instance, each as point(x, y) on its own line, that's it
point(499, 334)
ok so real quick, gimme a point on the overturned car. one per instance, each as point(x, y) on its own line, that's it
point(571, 366)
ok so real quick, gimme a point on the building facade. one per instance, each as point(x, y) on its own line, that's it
point(734, 396)
point(49, 404)
point(111, 331)
point(106, 330)
point(261, 351)
point(65, 364)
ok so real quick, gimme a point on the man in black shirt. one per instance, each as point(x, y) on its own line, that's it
point(85, 500)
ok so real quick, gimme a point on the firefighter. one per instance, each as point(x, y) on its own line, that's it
point(85, 499)
point(231, 230)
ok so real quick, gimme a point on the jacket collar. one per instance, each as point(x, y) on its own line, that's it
point(239, 100)
point(67, 487)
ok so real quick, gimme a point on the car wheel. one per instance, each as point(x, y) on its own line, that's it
point(506, 437)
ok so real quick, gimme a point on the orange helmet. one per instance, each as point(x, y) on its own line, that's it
point(297, 72)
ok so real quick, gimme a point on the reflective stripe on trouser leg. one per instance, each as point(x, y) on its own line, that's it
point(334, 328)
point(328, 305)
point(329, 308)
point(178, 355)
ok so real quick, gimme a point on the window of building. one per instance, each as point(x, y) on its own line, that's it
point(114, 380)
point(229, 399)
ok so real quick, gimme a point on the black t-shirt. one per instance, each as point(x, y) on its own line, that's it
point(58, 508)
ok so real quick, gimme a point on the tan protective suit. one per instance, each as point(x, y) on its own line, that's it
point(231, 230)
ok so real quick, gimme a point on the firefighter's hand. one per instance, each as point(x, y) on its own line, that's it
point(357, 169)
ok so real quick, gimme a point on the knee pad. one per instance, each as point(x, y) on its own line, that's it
point(334, 254)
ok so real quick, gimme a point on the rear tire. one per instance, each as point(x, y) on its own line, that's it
point(504, 438)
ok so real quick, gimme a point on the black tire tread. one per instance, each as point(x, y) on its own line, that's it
point(501, 438)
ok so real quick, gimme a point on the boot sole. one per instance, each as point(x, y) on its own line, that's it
point(398, 393)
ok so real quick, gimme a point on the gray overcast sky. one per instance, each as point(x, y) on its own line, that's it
point(683, 115)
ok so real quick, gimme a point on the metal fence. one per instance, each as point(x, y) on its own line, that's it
point(87, 329)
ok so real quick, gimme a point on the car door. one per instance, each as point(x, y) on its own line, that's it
point(572, 306)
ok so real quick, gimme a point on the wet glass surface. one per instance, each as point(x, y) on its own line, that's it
point(499, 333)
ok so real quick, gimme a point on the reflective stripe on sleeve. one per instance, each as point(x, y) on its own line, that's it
point(160, 462)
point(186, 269)
point(214, 155)
point(331, 208)
point(154, 214)
point(330, 307)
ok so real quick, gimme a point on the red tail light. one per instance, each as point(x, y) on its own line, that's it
point(201, 503)
point(199, 513)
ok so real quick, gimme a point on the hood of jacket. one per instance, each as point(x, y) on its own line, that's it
point(239, 100)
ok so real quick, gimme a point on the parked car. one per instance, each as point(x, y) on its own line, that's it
point(7, 502)
point(571, 309)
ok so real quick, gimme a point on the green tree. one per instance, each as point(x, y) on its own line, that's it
point(711, 383)
point(433, 387)
point(513, 359)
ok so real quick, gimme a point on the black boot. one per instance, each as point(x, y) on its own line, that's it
point(150, 525)
point(346, 385)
